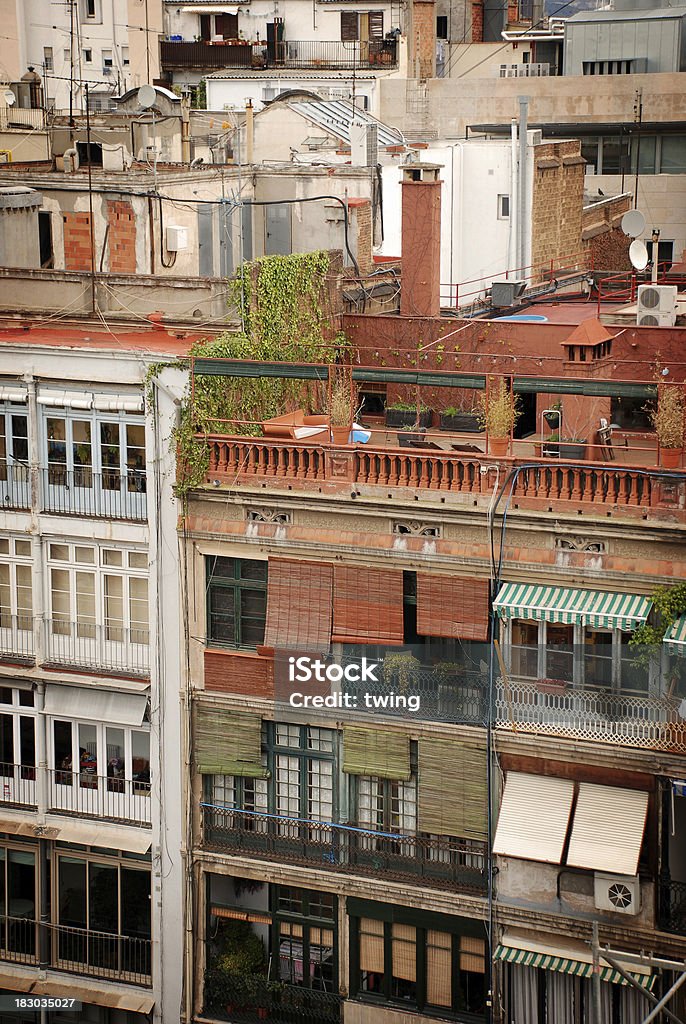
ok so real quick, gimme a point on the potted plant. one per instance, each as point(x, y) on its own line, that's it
point(407, 414)
point(667, 417)
point(401, 670)
point(499, 410)
point(553, 415)
point(573, 448)
point(460, 419)
point(340, 405)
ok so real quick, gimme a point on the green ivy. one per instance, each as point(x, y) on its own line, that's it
point(669, 603)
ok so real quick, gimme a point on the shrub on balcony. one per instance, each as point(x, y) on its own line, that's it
point(669, 603)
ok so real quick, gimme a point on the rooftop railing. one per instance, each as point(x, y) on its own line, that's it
point(307, 53)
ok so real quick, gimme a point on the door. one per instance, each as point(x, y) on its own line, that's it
point(45, 239)
point(70, 465)
point(225, 241)
point(205, 27)
point(15, 486)
point(226, 25)
point(205, 242)
point(275, 47)
point(277, 225)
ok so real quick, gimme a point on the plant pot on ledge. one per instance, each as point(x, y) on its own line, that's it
point(498, 446)
point(670, 458)
point(461, 422)
point(406, 418)
point(575, 450)
point(341, 435)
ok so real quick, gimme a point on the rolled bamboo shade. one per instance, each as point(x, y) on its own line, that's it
point(439, 968)
point(299, 605)
point(373, 752)
point(452, 606)
point(367, 605)
point(452, 793)
point(472, 954)
point(371, 945)
point(404, 938)
point(228, 742)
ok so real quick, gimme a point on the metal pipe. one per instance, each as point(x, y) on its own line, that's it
point(597, 1012)
point(632, 981)
point(513, 239)
point(659, 1007)
point(521, 218)
point(90, 202)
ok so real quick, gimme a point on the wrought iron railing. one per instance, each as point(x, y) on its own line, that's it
point(673, 907)
point(97, 796)
point(649, 722)
point(18, 784)
point(102, 954)
point(109, 648)
point(19, 934)
point(439, 862)
point(109, 495)
point(307, 53)
point(17, 640)
point(15, 485)
point(249, 998)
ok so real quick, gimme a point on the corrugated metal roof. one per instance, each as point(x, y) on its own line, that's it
point(608, 829)
point(336, 116)
point(594, 608)
point(533, 819)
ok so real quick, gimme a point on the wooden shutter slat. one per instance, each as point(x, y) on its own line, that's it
point(367, 605)
point(228, 743)
point(372, 752)
point(452, 794)
point(299, 605)
point(349, 26)
point(451, 606)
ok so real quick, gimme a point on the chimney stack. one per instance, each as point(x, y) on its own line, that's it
point(421, 240)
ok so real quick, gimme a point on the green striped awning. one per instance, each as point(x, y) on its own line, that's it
point(566, 965)
point(563, 604)
point(675, 637)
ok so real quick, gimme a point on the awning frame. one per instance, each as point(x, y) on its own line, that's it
point(572, 606)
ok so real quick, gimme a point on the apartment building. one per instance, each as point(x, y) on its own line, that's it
point(89, 716)
point(357, 858)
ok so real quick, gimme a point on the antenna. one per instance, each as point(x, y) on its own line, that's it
point(638, 254)
point(633, 223)
point(146, 97)
point(10, 98)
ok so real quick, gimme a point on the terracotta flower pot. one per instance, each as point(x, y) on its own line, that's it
point(340, 435)
point(498, 446)
point(670, 458)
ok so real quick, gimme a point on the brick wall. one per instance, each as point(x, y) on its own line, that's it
point(477, 21)
point(423, 59)
point(121, 237)
point(77, 241)
point(239, 672)
point(361, 212)
point(557, 203)
point(602, 236)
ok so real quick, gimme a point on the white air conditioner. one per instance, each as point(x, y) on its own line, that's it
point(620, 894)
point(657, 304)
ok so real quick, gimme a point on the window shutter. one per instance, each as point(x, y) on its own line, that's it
point(349, 30)
point(371, 945)
point(404, 952)
point(367, 605)
point(375, 24)
point(372, 752)
point(452, 795)
point(439, 968)
point(299, 605)
point(472, 954)
point(228, 743)
point(452, 606)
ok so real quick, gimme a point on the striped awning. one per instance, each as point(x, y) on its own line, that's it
point(675, 637)
point(557, 960)
point(563, 604)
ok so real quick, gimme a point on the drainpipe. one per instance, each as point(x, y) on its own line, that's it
point(522, 215)
point(185, 128)
point(249, 132)
point(513, 243)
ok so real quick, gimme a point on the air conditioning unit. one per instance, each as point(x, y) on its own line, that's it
point(657, 304)
point(176, 238)
point(619, 894)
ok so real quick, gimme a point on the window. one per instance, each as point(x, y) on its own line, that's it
point(673, 157)
point(503, 207)
point(350, 31)
point(107, 59)
point(125, 56)
point(88, 56)
point(589, 151)
point(236, 601)
point(631, 414)
point(525, 649)
point(66, 55)
point(615, 156)
point(16, 605)
point(644, 153)
point(18, 900)
point(14, 444)
point(17, 745)
point(442, 26)
point(411, 962)
point(114, 758)
point(91, 9)
point(388, 806)
point(48, 63)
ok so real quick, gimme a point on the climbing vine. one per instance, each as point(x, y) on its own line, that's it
point(284, 310)
point(668, 603)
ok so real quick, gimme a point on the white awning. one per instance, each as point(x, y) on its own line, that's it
point(212, 8)
point(65, 399)
point(534, 816)
point(97, 833)
point(608, 829)
point(116, 708)
point(8, 393)
point(568, 956)
point(119, 403)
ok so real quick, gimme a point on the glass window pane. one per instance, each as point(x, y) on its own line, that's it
point(61, 602)
point(110, 456)
point(673, 159)
point(140, 762)
point(62, 750)
point(138, 560)
point(24, 602)
point(22, 547)
point(85, 604)
point(135, 456)
point(253, 570)
point(138, 610)
point(615, 156)
point(112, 556)
point(6, 745)
point(597, 657)
point(88, 755)
point(21, 884)
point(27, 743)
point(5, 597)
point(57, 446)
point(72, 892)
point(20, 439)
point(103, 902)
point(82, 455)
point(85, 556)
point(560, 652)
point(4, 546)
point(116, 767)
point(634, 677)
point(135, 903)
point(59, 552)
point(114, 608)
point(253, 615)
point(525, 649)
point(643, 151)
point(221, 624)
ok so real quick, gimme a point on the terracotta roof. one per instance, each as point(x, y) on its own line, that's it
point(589, 332)
point(155, 341)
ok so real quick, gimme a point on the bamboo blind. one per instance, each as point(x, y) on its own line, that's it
point(452, 606)
point(367, 605)
point(371, 945)
point(452, 794)
point(472, 954)
point(404, 938)
point(228, 742)
point(299, 605)
point(373, 752)
point(439, 968)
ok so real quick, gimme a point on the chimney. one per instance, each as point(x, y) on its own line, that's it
point(421, 240)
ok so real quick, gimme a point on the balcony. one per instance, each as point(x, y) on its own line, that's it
point(17, 638)
point(651, 723)
point(672, 916)
point(310, 54)
point(97, 796)
point(111, 495)
point(623, 489)
point(121, 958)
point(109, 648)
point(345, 849)
point(15, 485)
point(17, 785)
point(254, 998)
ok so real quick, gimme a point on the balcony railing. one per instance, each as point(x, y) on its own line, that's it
point(15, 485)
point(438, 863)
point(673, 907)
point(17, 785)
point(599, 715)
point(98, 796)
point(108, 648)
point(16, 638)
point(252, 999)
point(19, 934)
point(308, 53)
point(102, 954)
point(594, 486)
point(111, 495)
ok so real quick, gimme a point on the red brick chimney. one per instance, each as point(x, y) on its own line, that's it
point(421, 240)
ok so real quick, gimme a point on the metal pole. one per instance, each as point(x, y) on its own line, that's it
point(90, 201)
point(523, 124)
point(636, 984)
point(665, 999)
point(597, 1012)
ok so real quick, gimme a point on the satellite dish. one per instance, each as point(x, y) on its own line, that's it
point(638, 254)
point(146, 97)
point(10, 98)
point(633, 223)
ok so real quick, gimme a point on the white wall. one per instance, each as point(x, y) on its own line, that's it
point(233, 93)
